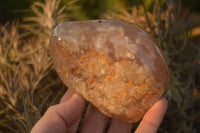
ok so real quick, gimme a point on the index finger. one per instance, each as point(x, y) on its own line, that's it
point(69, 93)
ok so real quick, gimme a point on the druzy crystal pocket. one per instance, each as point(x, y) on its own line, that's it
point(113, 64)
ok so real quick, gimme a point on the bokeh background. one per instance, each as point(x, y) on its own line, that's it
point(29, 83)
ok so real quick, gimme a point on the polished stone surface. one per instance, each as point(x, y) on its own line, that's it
point(113, 64)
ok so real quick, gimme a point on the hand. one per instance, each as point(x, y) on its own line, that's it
point(65, 116)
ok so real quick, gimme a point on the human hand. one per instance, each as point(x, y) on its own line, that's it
point(65, 116)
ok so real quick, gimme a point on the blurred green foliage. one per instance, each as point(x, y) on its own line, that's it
point(88, 9)
point(193, 5)
point(12, 9)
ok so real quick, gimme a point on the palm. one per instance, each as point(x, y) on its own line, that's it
point(65, 117)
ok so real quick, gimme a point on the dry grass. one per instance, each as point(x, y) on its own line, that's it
point(29, 84)
point(176, 32)
point(27, 77)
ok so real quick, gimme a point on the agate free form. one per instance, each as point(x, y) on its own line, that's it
point(113, 64)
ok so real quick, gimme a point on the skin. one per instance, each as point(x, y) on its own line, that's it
point(65, 116)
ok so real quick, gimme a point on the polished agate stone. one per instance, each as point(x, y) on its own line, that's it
point(114, 65)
